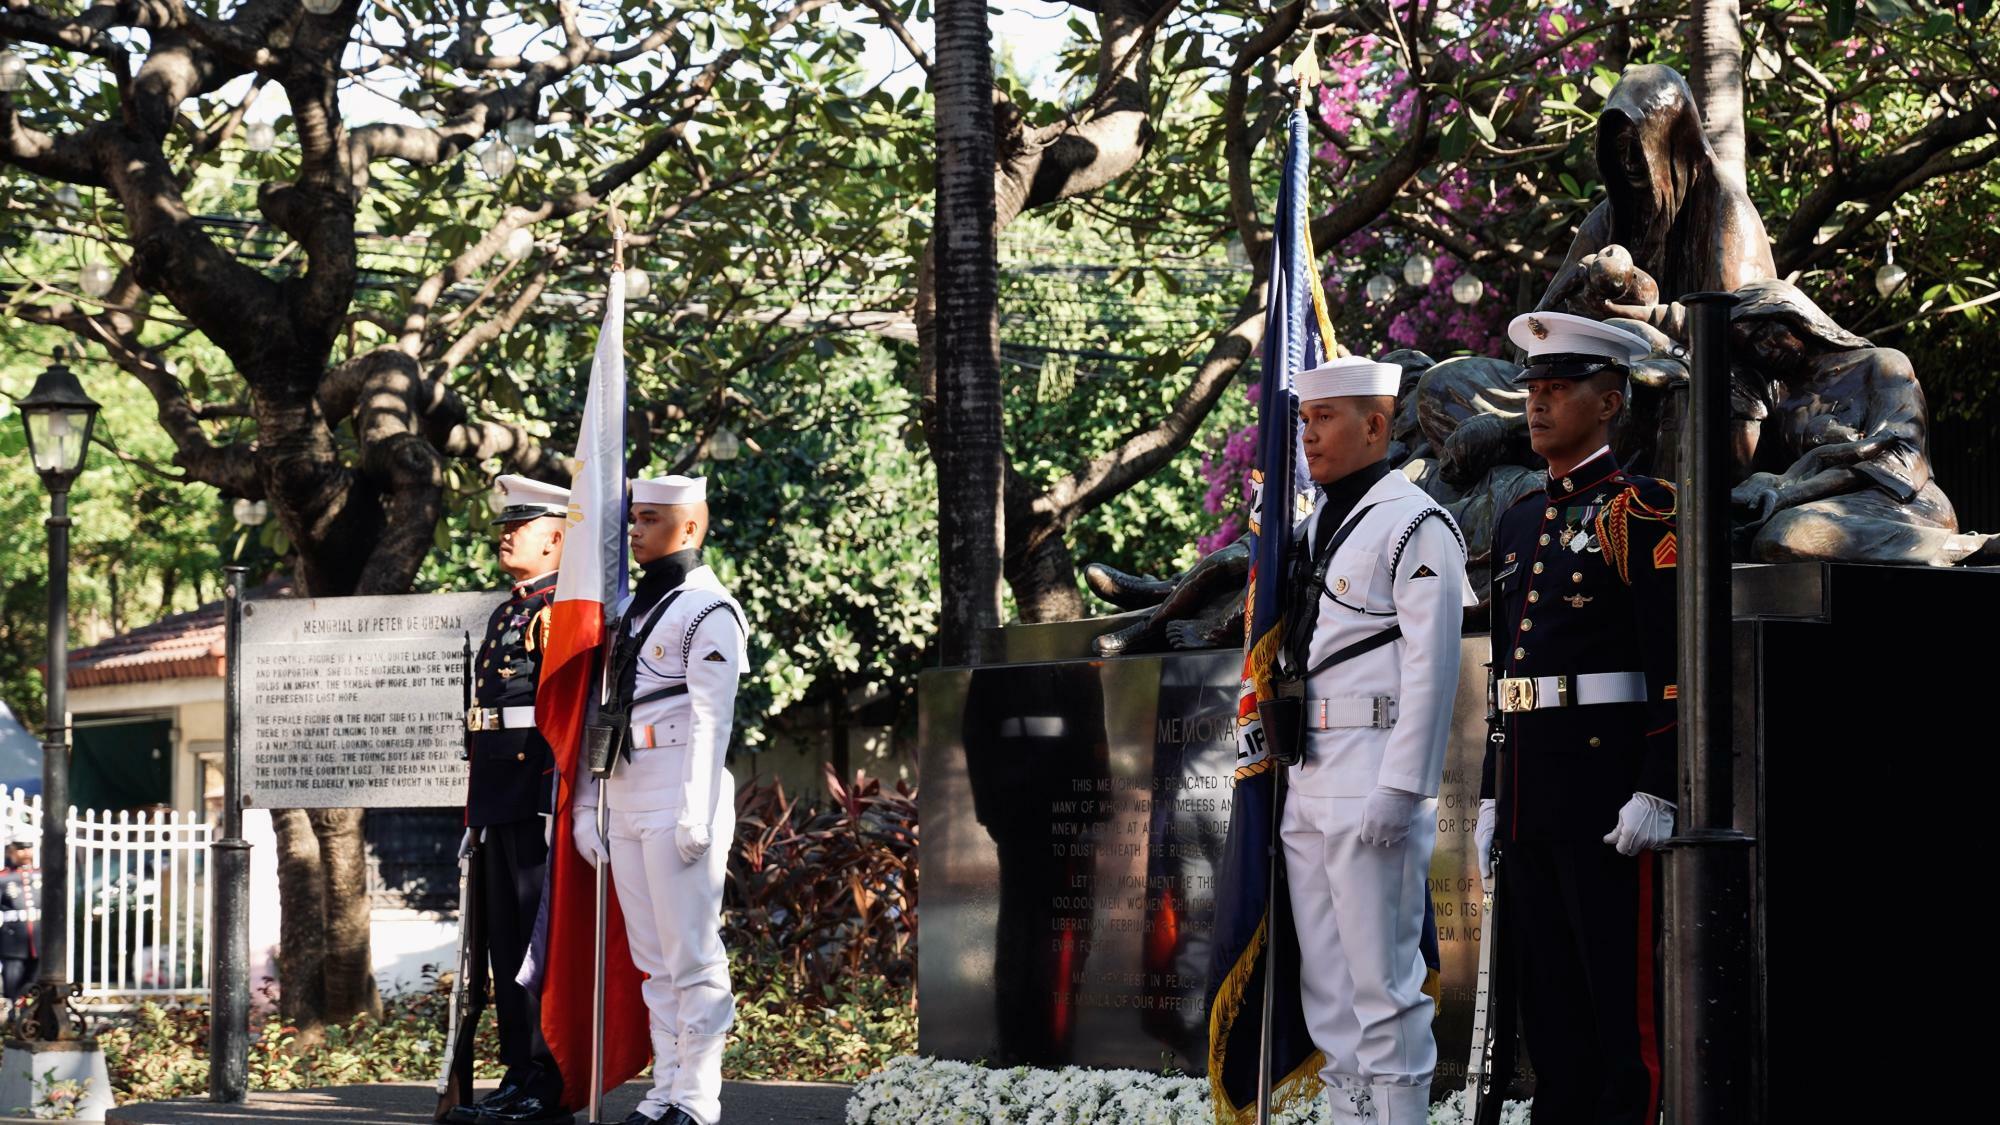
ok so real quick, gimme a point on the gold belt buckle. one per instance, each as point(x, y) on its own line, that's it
point(481, 719)
point(1517, 693)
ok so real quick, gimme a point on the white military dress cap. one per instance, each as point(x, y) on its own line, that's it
point(670, 490)
point(524, 499)
point(1349, 376)
point(1556, 336)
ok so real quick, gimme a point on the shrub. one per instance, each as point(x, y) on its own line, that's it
point(829, 889)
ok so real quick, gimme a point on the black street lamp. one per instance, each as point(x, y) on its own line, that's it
point(59, 417)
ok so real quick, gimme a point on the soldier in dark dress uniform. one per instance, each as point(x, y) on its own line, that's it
point(20, 913)
point(1584, 788)
point(512, 792)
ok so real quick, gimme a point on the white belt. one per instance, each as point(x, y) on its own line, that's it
point(1033, 726)
point(1326, 714)
point(1536, 693)
point(648, 736)
point(499, 718)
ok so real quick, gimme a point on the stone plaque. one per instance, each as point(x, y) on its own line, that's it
point(357, 702)
point(1075, 814)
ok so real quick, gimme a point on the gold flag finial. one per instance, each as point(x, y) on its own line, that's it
point(1306, 72)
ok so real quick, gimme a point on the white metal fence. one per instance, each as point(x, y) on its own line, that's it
point(139, 899)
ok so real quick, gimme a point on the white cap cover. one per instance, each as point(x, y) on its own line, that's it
point(523, 499)
point(1349, 376)
point(1548, 335)
point(670, 490)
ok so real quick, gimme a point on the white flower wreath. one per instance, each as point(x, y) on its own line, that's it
point(920, 1091)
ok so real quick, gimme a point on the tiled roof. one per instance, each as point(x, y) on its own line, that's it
point(184, 646)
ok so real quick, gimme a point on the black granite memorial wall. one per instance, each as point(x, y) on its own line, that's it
point(1075, 810)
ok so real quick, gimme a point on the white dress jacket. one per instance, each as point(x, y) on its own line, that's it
point(1425, 594)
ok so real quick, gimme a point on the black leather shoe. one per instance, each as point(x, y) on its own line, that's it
point(678, 1116)
point(528, 1109)
point(637, 1118)
point(471, 1114)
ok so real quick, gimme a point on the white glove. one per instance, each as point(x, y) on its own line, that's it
point(692, 840)
point(465, 842)
point(1645, 822)
point(1482, 837)
point(583, 830)
point(1385, 820)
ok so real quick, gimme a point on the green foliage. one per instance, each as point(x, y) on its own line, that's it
point(785, 1029)
point(826, 888)
point(1103, 326)
point(843, 1032)
point(141, 545)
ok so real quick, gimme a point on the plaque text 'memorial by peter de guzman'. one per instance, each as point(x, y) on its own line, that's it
point(356, 702)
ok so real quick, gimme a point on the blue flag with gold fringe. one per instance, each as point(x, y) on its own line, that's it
point(1249, 930)
point(1296, 336)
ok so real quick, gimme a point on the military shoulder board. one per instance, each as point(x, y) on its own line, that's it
point(687, 640)
point(1396, 560)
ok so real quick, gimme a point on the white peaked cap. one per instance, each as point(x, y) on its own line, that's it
point(670, 490)
point(524, 499)
point(1349, 376)
point(1546, 334)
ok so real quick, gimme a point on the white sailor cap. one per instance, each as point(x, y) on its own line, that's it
point(23, 839)
point(523, 499)
point(1568, 346)
point(670, 490)
point(1349, 376)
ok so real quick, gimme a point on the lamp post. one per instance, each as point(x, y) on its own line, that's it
point(58, 417)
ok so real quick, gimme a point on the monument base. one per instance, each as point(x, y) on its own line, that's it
point(30, 1071)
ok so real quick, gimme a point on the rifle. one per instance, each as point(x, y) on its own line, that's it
point(1490, 1071)
point(469, 983)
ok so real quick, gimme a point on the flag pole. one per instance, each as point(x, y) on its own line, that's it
point(1265, 1079)
point(603, 821)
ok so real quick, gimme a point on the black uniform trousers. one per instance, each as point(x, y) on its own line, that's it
point(515, 861)
point(1587, 944)
point(17, 975)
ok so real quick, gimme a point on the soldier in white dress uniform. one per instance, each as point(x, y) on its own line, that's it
point(1377, 591)
point(672, 805)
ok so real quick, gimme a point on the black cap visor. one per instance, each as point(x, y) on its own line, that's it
point(1567, 365)
point(518, 513)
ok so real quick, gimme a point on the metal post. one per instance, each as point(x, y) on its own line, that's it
point(1710, 989)
point(598, 953)
point(53, 1018)
point(229, 867)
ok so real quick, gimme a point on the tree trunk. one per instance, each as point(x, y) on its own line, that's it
point(965, 431)
point(301, 923)
point(1715, 55)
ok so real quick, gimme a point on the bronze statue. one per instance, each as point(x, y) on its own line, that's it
point(1200, 608)
point(1845, 431)
point(1670, 209)
point(1671, 223)
point(1829, 430)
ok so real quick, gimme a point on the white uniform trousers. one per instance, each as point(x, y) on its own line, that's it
point(673, 919)
point(1359, 911)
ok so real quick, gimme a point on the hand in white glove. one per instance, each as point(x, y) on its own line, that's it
point(692, 840)
point(1385, 820)
point(583, 830)
point(465, 842)
point(1645, 822)
point(1482, 838)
